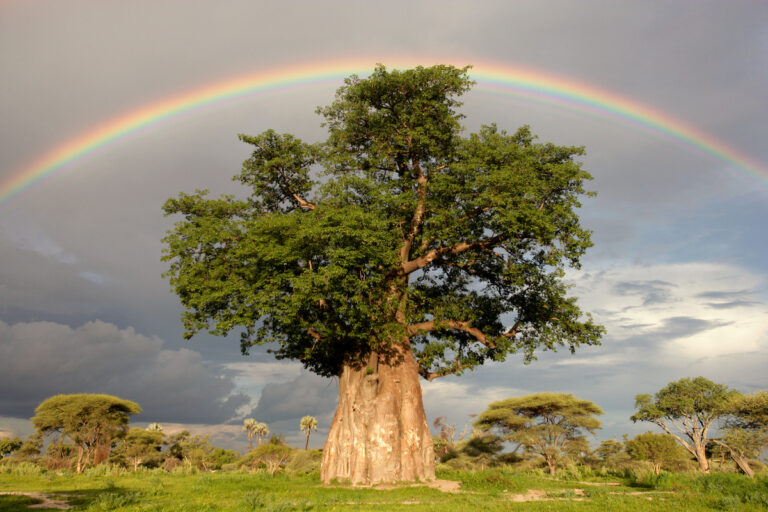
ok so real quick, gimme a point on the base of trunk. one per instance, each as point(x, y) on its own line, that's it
point(379, 432)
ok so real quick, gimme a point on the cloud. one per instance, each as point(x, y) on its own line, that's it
point(41, 359)
point(306, 394)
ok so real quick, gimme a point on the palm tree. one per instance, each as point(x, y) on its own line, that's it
point(249, 425)
point(261, 430)
point(308, 423)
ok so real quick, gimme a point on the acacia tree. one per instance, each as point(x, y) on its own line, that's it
point(308, 423)
point(655, 448)
point(745, 431)
point(90, 421)
point(546, 424)
point(687, 410)
point(396, 249)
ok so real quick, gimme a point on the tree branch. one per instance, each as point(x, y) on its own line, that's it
point(422, 261)
point(303, 203)
point(430, 376)
point(431, 325)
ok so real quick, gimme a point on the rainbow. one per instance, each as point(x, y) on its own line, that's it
point(499, 78)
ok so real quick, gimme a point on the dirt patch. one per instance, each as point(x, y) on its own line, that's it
point(549, 495)
point(441, 485)
point(47, 500)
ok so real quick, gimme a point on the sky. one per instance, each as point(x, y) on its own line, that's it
point(677, 274)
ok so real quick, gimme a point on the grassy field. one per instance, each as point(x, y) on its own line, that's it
point(495, 489)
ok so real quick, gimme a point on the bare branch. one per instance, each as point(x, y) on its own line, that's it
point(303, 203)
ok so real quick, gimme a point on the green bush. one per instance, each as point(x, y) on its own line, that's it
point(305, 462)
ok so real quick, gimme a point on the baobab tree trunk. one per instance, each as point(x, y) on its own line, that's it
point(379, 432)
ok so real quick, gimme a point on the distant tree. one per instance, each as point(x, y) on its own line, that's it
point(745, 431)
point(155, 427)
point(609, 449)
point(195, 451)
point(30, 448)
point(91, 422)
point(8, 446)
point(307, 424)
point(445, 442)
point(655, 448)
point(249, 425)
point(543, 423)
point(59, 454)
point(398, 248)
point(140, 447)
point(687, 410)
point(261, 430)
point(270, 456)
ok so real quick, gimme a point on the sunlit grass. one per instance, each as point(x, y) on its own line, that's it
point(494, 489)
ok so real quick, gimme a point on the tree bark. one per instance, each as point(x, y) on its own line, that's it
point(379, 432)
point(701, 457)
point(79, 466)
point(552, 465)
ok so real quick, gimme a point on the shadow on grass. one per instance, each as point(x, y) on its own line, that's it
point(109, 498)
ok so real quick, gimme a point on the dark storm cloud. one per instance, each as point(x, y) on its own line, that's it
point(307, 394)
point(41, 359)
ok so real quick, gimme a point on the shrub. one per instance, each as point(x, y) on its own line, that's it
point(269, 456)
point(305, 462)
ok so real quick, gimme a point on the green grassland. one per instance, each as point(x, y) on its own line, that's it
point(103, 488)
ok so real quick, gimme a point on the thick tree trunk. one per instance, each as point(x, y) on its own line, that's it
point(552, 465)
point(701, 457)
point(379, 432)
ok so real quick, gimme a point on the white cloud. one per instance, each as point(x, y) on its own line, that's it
point(689, 310)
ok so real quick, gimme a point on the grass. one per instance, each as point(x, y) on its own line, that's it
point(494, 489)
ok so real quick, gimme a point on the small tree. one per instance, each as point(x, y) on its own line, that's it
point(655, 448)
point(8, 446)
point(140, 447)
point(308, 423)
point(270, 456)
point(249, 425)
point(687, 410)
point(154, 427)
point(89, 421)
point(543, 423)
point(745, 432)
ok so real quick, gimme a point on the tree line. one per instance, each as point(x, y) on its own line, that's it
point(84, 430)
point(699, 420)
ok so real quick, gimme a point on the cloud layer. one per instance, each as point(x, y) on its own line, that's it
point(41, 359)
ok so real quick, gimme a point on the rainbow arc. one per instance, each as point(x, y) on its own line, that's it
point(500, 78)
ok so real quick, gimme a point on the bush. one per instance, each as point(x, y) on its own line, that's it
point(305, 462)
point(268, 456)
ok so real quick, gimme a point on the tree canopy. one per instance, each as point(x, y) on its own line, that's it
point(88, 420)
point(477, 230)
point(542, 423)
point(395, 239)
point(687, 409)
point(655, 448)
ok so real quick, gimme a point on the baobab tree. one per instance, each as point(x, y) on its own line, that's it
point(397, 248)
